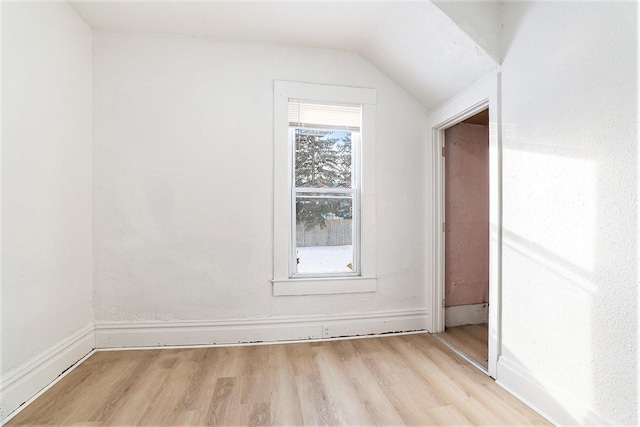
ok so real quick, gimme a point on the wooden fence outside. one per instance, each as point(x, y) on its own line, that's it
point(336, 233)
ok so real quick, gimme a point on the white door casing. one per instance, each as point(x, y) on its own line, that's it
point(482, 95)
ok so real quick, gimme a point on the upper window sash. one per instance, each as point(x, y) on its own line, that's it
point(303, 179)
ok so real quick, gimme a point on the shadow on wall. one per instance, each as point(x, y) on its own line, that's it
point(572, 270)
point(551, 405)
point(570, 200)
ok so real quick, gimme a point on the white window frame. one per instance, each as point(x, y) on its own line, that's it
point(284, 281)
point(354, 190)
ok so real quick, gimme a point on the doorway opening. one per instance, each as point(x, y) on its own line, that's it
point(466, 238)
point(482, 96)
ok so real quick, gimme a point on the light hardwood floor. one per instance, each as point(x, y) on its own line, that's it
point(394, 380)
point(472, 340)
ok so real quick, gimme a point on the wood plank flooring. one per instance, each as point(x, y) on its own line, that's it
point(393, 380)
point(472, 340)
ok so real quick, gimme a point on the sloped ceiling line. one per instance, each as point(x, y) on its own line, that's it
point(414, 42)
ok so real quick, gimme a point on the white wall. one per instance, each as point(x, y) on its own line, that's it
point(46, 179)
point(183, 154)
point(570, 186)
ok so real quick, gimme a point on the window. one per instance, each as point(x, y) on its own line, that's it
point(324, 199)
point(325, 192)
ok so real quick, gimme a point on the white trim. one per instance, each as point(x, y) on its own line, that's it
point(293, 328)
point(45, 389)
point(468, 314)
point(559, 408)
point(26, 381)
point(482, 95)
point(323, 93)
point(323, 286)
point(245, 344)
point(282, 206)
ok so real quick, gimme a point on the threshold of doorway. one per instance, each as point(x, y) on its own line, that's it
point(460, 353)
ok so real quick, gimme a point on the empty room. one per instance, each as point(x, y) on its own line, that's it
point(319, 213)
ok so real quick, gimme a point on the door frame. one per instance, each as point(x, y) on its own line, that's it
point(482, 95)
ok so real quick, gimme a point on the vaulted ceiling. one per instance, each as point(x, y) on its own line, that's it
point(433, 50)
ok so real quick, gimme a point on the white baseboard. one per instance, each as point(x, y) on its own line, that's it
point(21, 384)
point(294, 328)
point(470, 314)
point(556, 406)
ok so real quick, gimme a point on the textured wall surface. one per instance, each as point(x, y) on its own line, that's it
point(183, 172)
point(467, 215)
point(570, 182)
point(480, 19)
point(46, 177)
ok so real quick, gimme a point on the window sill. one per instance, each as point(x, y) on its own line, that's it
point(323, 286)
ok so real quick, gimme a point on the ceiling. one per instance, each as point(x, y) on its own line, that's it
point(414, 42)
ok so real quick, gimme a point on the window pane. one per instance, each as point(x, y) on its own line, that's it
point(324, 233)
point(322, 158)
